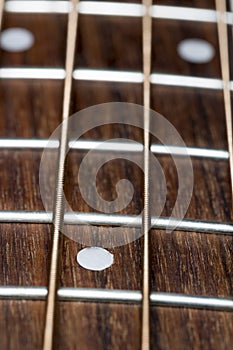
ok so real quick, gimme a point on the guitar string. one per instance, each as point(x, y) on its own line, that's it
point(58, 210)
point(1, 12)
point(146, 120)
point(225, 68)
point(146, 42)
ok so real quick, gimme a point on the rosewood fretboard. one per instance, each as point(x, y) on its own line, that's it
point(188, 262)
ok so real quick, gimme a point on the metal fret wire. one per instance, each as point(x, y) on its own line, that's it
point(87, 145)
point(146, 220)
point(225, 67)
point(118, 296)
point(41, 217)
point(153, 295)
point(115, 9)
point(58, 210)
point(113, 76)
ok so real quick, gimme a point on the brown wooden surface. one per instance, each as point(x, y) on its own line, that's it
point(47, 51)
point(181, 262)
point(21, 324)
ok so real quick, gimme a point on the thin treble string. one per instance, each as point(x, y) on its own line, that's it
point(147, 34)
point(225, 67)
point(58, 210)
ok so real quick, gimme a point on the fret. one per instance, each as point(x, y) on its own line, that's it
point(118, 296)
point(40, 217)
point(61, 7)
point(175, 274)
point(110, 8)
point(32, 73)
point(116, 9)
point(107, 75)
point(111, 76)
point(183, 13)
point(186, 81)
point(87, 145)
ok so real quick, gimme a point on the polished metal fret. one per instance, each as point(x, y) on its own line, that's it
point(78, 218)
point(113, 76)
point(109, 8)
point(98, 295)
point(118, 296)
point(112, 146)
point(108, 75)
point(32, 73)
point(18, 6)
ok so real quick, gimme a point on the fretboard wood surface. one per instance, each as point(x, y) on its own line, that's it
point(184, 262)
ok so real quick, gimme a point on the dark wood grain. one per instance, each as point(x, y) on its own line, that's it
point(197, 114)
point(34, 112)
point(47, 51)
point(21, 324)
point(190, 329)
point(99, 326)
point(108, 52)
point(181, 262)
point(25, 254)
point(165, 58)
point(191, 263)
point(20, 180)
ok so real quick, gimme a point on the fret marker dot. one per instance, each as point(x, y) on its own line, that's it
point(196, 50)
point(94, 258)
point(16, 39)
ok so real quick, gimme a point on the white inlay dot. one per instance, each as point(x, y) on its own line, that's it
point(94, 258)
point(16, 39)
point(196, 50)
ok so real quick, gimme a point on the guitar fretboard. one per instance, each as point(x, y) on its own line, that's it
point(189, 269)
